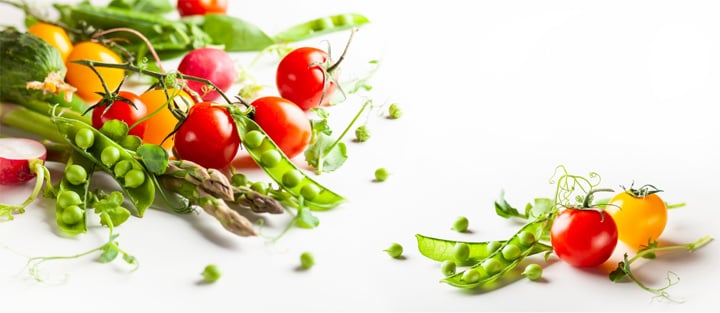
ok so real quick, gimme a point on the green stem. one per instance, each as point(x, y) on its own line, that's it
point(33, 122)
point(674, 205)
point(349, 126)
point(690, 247)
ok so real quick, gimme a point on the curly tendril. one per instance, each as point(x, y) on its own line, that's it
point(572, 187)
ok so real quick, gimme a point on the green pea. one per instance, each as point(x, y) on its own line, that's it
point(362, 133)
point(309, 192)
point(239, 180)
point(84, 138)
point(448, 267)
point(211, 273)
point(270, 158)
point(461, 251)
point(533, 272)
point(72, 214)
point(292, 178)
point(134, 178)
point(344, 19)
point(491, 266)
point(122, 167)
point(394, 111)
point(511, 252)
point(471, 276)
point(493, 246)
point(461, 224)
point(323, 23)
point(306, 260)
point(395, 250)
point(253, 139)
point(75, 174)
point(68, 198)
point(381, 174)
point(526, 238)
point(259, 187)
point(109, 156)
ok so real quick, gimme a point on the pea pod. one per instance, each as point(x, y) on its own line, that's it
point(281, 169)
point(71, 198)
point(140, 190)
point(321, 26)
point(444, 250)
point(498, 263)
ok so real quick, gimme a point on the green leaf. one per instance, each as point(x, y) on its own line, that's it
point(148, 6)
point(129, 258)
point(110, 208)
point(540, 206)
point(305, 218)
point(325, 154)
point(504, 209)
point(235, 34)
point(110, 252)
point(154, 157)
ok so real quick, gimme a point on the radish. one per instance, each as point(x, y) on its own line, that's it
point(212, 64)
point(17, 158)
point(20, 161)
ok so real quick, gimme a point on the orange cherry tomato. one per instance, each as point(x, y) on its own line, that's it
point(640, 217)
point(163, 122)
point(84, 79)
point(55, 36)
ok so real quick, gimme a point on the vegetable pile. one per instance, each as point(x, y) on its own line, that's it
point(172, 145)
point(579, 229)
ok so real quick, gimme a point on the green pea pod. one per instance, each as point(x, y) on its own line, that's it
point(142, 189)
point(501, 265)
point(443, 249)
point(281, 169)
point(235, 34)
point(321, 26)
point(72, 198)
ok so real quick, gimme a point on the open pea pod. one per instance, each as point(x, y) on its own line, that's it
point(71, 200)
point(281, 169)
point(112, 158)
point(497, 263)
point(444, 250)
point(321, 26)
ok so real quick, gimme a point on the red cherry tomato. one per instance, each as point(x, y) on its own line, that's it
point(123, 110)
point(303, 78)
point(201, 7)
point(583, 238)
point(208, 136)
point(285, 123)
point(212, 64)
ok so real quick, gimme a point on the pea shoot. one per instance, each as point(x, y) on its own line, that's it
point(461, 224)
point(381, 174)
point(395, 250)
point(533, 272)
point(211, 273)
point(307, 260)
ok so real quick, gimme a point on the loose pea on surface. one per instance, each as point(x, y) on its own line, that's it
point(395, 250)
point(381, 174)
point(394, 111)
point(448, 267)
point(362, 134)
point(533, 271)
point(461, 224)
point(75, 174)
point(211, 273)
point(306, 260)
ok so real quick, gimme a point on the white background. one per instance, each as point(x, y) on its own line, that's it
point(495, 96)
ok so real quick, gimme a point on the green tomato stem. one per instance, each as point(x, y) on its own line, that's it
point(349, 126)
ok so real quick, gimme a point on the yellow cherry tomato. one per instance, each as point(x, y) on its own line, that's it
point(84, 79)
point(163, 122)
point(640, 217)
point(55, 36)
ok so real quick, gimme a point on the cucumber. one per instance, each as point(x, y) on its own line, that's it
point(25, 57)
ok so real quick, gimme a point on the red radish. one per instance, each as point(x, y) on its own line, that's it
point(16, 156)
point(212, 64)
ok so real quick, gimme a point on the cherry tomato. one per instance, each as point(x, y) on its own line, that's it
point(583, 237)
point(286, 124)
point(208, 136)
point(302, 77)
point(55, 36)
point(84, 79)
point(212, 64)
point(162, 123)
point(201, 7)
point(640, 219)
point(121, 109)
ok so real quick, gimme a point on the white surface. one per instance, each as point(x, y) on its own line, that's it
point(495, 95)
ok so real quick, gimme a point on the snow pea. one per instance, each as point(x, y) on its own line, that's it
point(140, 190)
point(281, 169)
point(497, 263)
point(71, 198)
point(321, 26)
